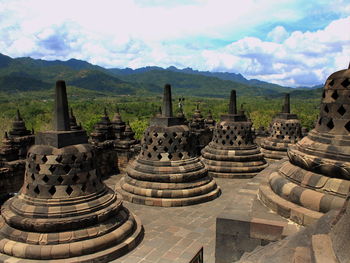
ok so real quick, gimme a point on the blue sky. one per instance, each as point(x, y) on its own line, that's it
point(289, 42)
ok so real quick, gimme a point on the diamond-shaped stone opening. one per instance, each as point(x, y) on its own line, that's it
point(44, 159)
point(341, 110)
point(150, 140)
point(59, 158)
point(345, 83)
point(52, 168)
point(331, 83)
point(165, 135)
point(166, 149)
point(227, 137)
point(83, 187)
point(74, 158)
point(37, 190)
point(69, 190)
point(174, 134)
point(347, 126)
point(223, 132)
point(239, 142)
point(223, 142)
point(27, 186)
point(75, 178)
point(326, 108)
point(59, 179)
point(228, 127)
point(46, 178)
point(159, 156)
point(149, 155)
point(235, 137)
point(52, 190)
point(170, 156)
point(37, 167)
point(180, 155)
point(231, 142)
point(330, 124)
point(155, 148)
point(217, 141)
point(67, 168)
point(33, 177)
point(171, 141)
point(335, 95)
point(155, 134)
point(175, 148)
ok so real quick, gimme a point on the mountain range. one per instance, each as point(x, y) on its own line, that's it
point(28, 74)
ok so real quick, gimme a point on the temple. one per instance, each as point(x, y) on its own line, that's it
point(285, 131)
point(168, 171)
point(64, 212)
point(232, 153)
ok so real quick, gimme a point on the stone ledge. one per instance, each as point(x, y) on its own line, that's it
point(249, 224)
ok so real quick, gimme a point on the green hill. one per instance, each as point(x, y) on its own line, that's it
point(27, 74)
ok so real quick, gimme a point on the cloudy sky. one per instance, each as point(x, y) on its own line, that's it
point(289, 42)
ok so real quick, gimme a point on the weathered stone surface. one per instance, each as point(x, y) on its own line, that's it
point(167, 172)
point(285, 131)
point(64, 212)
point(315, 177)
point(232, 153)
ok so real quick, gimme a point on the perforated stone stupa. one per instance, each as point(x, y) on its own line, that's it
point(285, 130)
point(64, 212)
point(167, 172)
point(316, 177)
point(232, 153)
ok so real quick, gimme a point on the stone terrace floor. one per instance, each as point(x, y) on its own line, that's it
point(175, 234)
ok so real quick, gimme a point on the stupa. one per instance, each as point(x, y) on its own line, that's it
point(316, 177)
point(232, 153)
point(118, 125)
point(209, 121)
point(64, 212)
point(103, 129)
point(285, 131)
point(167, 172)
point(202, 133)
point(21, 137)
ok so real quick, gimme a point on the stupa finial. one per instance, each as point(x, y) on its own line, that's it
point(286, 106)
point(167, 110)
point(233, 106)
point(61, 107)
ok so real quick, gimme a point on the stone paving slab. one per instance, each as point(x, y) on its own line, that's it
point(175, 234)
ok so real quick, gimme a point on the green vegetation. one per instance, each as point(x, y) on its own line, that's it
point(27, 84)
point(36, 108)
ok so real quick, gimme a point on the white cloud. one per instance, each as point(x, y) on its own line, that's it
point(154, 32)
point(278, 34)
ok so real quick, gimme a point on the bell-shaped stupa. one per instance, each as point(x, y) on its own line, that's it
point(232, 153)
point(316, 177)
point(167, 172)
point(285, 130)
point(103, 129)
point(64, 212)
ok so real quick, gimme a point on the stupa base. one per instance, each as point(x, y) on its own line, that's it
point(68, 249)
point(175, 197)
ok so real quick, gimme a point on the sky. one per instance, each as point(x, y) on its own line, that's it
point(288, 42)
